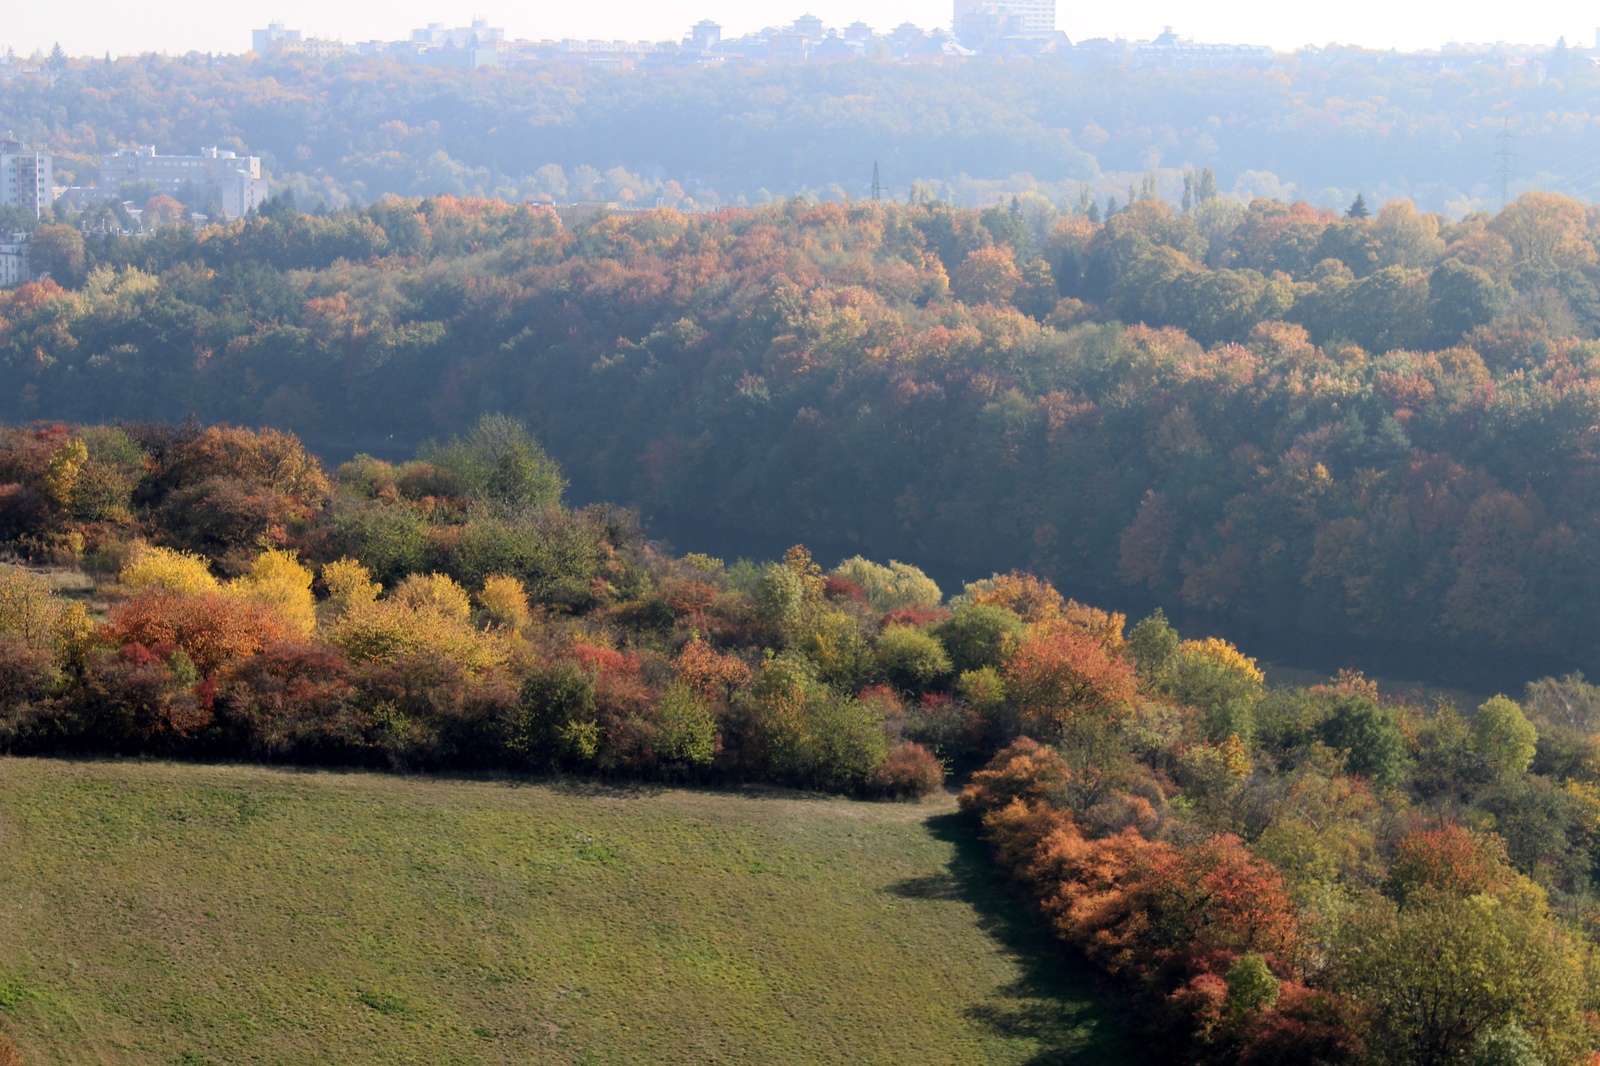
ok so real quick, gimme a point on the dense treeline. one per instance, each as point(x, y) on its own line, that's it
point(1319, 126)
point(1375, 427)
point(1291, 875)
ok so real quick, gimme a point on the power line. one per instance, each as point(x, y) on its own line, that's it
point(877, 186)
point(1506, 153)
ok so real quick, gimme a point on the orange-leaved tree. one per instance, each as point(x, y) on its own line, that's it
point(1064, 680)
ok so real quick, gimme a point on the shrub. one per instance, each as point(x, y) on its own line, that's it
point(31, 613)
point(436, 593)
point(500, 465)
point(686, 728)
point(1215, 677)
point(909, 771)
point(213, 629)
point(714, 675)
point(910, 659)
point(1063, 680)
point(292, 701)
point(505, 603)
point(803, 733)
point(889, 588)
point(1504, 739)
point(169, 571)
point(1448, 859)
point(349, 585)
point(554, 719)
point(1369, 737)
point(1026, 772)
point(277, 580)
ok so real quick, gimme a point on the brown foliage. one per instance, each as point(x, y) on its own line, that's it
point(291, 701)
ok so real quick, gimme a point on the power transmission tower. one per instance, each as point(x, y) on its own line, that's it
point(877, 186)
point(1506, 153)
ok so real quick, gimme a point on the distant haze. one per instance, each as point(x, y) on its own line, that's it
point(93, 27)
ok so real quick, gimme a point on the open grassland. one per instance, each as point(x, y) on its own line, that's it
point(158, 913)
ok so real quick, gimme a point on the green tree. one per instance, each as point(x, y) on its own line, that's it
point(1368, 736)
point(502, 466)
point(1461, 298)
point(1445, 972)
point(1503, 738)
point(58, 250)
point(553, 721)
point(978, 635)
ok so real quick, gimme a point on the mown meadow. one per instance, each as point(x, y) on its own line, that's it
point(155, 913)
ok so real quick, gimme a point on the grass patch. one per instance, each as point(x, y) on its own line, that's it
point(152, 914)
point(11, 994)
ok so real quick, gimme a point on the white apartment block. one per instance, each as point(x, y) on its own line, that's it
point(233, 181)
point(14, 261)
point(26, 178)
point(1035, 16)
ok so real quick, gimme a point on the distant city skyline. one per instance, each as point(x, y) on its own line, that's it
point(99, 26)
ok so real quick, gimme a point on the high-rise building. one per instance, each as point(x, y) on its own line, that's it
point(26, 178)
point(1033, 16)
point(234, 182)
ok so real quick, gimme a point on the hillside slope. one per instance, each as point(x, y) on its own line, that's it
point(157, 913)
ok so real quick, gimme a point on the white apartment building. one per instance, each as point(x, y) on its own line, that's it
point(14, 260)
point(1035, 16)
point(233, 181)
point(26, 178)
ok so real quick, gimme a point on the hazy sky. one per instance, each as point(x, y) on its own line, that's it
point(93, 27)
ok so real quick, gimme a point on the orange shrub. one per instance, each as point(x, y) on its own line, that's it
point(214, 629)
point(713, 674)
point(909, 772)
point(1026, 771)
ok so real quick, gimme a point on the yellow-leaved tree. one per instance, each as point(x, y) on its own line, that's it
point(278, 580)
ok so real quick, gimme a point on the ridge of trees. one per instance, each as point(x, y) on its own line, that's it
point(354, 130)
point(1378, 428)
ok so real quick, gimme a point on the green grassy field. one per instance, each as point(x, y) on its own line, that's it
point(157, 913)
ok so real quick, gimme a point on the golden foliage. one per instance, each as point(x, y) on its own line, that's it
point(277, 579)
point(1225, 655)
point(349, 585)
point(61, 476)
point(505, 603)
point(168, 570)
point(434, 592)
point(32, 613)
point(1032, 598)
point(425, 614)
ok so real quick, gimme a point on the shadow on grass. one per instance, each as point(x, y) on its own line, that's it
point(1059, 1000)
